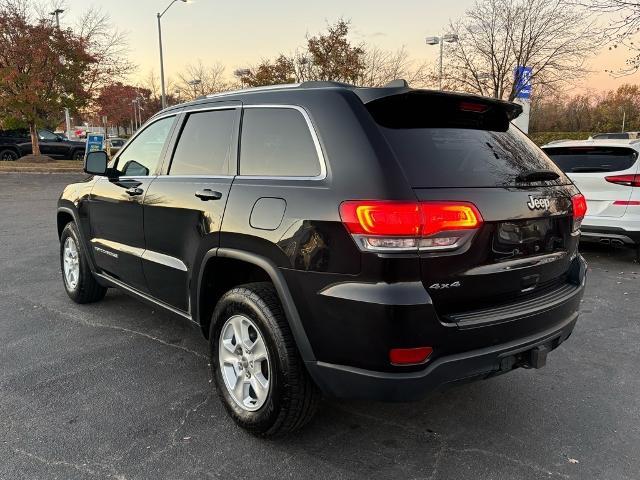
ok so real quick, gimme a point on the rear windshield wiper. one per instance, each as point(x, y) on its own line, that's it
point(537, 176)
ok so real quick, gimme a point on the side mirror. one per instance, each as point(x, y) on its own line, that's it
point(95, 163)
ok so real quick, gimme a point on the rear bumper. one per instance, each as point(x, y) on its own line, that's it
point(528, 351)
point(348, 382)
point(609, 235)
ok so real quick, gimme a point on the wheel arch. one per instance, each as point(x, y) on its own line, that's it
point(66, 215)
point(13, 148)
point(258, 268)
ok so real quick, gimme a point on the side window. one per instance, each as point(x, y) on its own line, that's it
point(142, 156)
point(47, 136)
point(205, 144)
point(277, 142)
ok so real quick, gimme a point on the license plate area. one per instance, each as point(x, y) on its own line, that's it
point(521, 238)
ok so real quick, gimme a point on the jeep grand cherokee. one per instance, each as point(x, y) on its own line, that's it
point(357, 242)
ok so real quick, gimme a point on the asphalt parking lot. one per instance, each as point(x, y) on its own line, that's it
point(121, 390)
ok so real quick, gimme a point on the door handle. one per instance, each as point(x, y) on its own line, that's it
point(208, 194)
point(134, 191)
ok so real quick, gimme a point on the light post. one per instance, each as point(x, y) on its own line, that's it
point(449, 38)
point(241, 73)
point(56, 13)
point(135, 115)
point(194, 83)
point(159, 15)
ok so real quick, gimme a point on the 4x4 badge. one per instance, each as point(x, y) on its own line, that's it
point(538, 203)
point(441, 286)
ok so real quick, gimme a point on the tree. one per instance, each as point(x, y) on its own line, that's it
point(109, 48)
point(552, 37)
point(588, 112)
point(42, 68)
point(381, 67)
point(331, 56)
point(282, 70)
point(621, 30)
point(115, 101)
point(198, 80)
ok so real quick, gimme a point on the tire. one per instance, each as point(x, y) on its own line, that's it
point(77, 155)
point(8, 155)
point(82, 286)
point(292, 397)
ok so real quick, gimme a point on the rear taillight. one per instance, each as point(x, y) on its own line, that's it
point(626, 180)
point(405, 226)
point(579, 204)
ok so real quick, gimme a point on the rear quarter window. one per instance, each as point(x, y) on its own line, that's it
point(593, 159)
point(277, 142)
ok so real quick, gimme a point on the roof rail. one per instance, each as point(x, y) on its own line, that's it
point(283, 86)
point(324, 84)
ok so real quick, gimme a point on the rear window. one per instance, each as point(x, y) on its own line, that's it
point(450, 141)
point(613, 136)
point(592, 159)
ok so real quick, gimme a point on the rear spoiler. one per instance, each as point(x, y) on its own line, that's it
point(404, 107)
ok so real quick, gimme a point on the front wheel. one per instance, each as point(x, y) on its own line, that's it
point(77, 155)
point(79, 282)
point(259, 374)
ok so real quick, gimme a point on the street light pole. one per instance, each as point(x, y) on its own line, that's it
point(67, 122)
point(159, 16)
point(449, 38)
point(56, 13)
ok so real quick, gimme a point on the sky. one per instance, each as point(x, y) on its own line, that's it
point(241, 33)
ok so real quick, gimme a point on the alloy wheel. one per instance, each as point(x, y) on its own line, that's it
point(244, 362)
point(71, 263)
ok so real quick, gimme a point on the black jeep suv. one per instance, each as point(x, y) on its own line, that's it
point(17, 143)
point(357, 242)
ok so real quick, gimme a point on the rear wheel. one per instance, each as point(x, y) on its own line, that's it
point(79, 282)
point(259, 374)
point(8, 155)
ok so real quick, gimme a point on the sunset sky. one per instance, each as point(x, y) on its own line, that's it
point(238, 34)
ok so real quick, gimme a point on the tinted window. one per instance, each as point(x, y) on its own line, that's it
point(14, 134)
point(457, 140)
point(616, 136)
point(205, 144)
point(47, 136)
point(142, 155)
point(277, 142)
point(459, 157)
point(592, 159)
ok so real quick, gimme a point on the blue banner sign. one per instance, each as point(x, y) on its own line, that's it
point(523, 82)
point(95, 142)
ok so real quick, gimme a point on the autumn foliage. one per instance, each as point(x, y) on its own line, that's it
point(41, 70)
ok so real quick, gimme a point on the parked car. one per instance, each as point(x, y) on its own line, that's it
point(616, 136)
point(9, 141)
point(115, 144)
point(607, 172)
point(17, 143)
point(370, 243)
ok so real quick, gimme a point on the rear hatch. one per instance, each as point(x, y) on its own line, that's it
point(589, 166)
point(457, 148)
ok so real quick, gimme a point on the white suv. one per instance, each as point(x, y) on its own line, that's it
point(607, 172)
